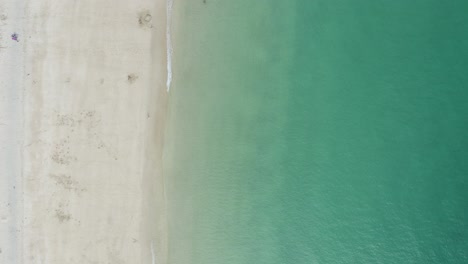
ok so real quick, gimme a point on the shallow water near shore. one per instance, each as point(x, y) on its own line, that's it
point(318, 132)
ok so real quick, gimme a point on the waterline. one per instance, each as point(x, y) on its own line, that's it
point(169, 43)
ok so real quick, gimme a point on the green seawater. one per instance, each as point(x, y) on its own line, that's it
point(308, 131)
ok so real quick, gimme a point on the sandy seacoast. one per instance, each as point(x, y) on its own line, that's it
point(82, 109)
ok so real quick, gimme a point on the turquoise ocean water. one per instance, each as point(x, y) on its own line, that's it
point(310, 131)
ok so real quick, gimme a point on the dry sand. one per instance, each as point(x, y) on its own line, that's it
point(82, 108)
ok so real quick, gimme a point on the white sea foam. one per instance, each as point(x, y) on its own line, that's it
point(169, 4)
point(153, 255)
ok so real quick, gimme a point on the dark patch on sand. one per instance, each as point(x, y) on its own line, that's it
point(62, 216)
point(67, 182)
point(131, 78)
point(61, 152)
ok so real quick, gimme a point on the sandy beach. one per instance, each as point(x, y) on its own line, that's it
point(82, 109)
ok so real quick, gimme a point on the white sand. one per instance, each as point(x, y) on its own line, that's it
point(82, 108)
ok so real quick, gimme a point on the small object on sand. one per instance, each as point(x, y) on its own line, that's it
point(145, 19)
point(148, 18)
point(14, 37)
